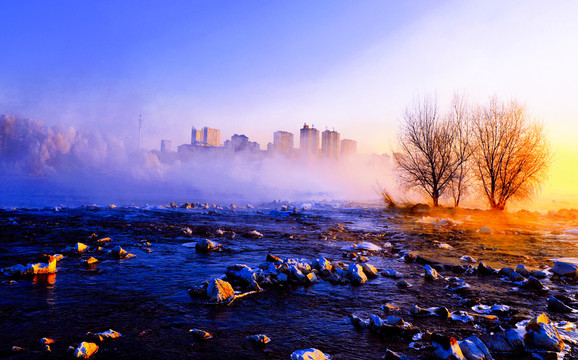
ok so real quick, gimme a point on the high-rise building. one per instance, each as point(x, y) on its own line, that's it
point(309, 140)
point(283, 142)
point(348, 147)
point(330, 144)
point(165, 146)
point(241, 143)
point(206, 137)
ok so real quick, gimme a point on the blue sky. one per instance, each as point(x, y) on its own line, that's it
point(255, 67)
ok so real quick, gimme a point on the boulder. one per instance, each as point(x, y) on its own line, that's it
point(103, 336)
point(522, 270)
point(85, 350)
point(392, 274)
point(76, 249)
point(403, 284)
point(369, 270)
point(255, 234)
point(533, 284)
point(356, 275)
point(46, 341)
point(508, 341)
point(219, 291)
point(118, 253)
point(542, 335)
point(274, 259)
point(562, 268)
point(204, 245)
point(89, 261)
point(32, 269)
point(558, 306)
point(241, 272)
point(484, 269)
point(309, 354)
point(445, 347)
point(474, 349)
point(323, 265)
point(430, 273)
point(259, 339)
point(200, 334)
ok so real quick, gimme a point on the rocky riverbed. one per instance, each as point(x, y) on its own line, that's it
point(270, 281)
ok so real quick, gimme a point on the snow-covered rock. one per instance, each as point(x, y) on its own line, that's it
point(367, 246)
point(356, 275)
point(105, 335)
point(369, 270)
point(85, 350)
point(542, 335)
point(309, 354)
point(205, 245)
point(32, 269)
point(562, 268)
point(219, 291)
point(446, 348)
point(76, 249)
point(430, 273)
point(322, 264)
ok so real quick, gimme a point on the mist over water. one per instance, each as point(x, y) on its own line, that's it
point(51, 166)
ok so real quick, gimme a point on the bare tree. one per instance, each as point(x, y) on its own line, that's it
point(425, 158)
point(512, 153)
point(460, 120)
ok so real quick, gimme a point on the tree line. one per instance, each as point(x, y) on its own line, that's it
point(494, 149)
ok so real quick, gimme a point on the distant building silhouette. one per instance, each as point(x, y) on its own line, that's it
point(283, 142)
point(348, 147)
point(206, 137)
point(165, 146)
point(330, 144)
point(309, 140)
point(241, 143)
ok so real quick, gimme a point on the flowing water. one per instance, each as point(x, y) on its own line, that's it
point(145, 297)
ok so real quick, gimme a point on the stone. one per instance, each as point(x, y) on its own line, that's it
point(403, 284)
point(389, 307)
point(375, 323)
point(219, 291)
point(442, 312)
point(474, 349)
point(90, 261)
point(558, 306)
point(311, 278)
point(255, 234)
point(323, 265)
point(391, 355)
point(357, 322)
point(118, 253)
point(367, 246)
point(103, 336)
point(521, 269)
point(356, 275)
point(274, 259)
point(392, 274)
point(562, 268)
point(309, 354)
point(259, 339)
point(76, 249)
point(508, 341)
point(204, 245)
point(369, 270)
point(430, 273)
point(200, 334)
point(46, 341)
point(542, 335)
point(17, 349)
point(468, 259)
point(32, 269)
point(85, 350)
point(484, 269)
point(241, 272)
point(445, 347)
point(486, 230)
point(282, 277)
point(417, 311)
point(533, 284)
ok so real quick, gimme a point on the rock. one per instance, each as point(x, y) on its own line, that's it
point(323, 265)
point(259, 339)
point(89, 261)
point(484, 269)
point(486, 230)
point(76, 249)
point(296, 274)
point(403, 284)
point(32, 269)
point(312, 278)
point(430, 273)
point(442, 312)
point(309, 354)
point(542, 335)
point(391, 355)
point(395, 320)
point(274, 259)
point(389, 307)
point(118, 253)
point(219, 291)
point(392, 274)
point(367, 246)
point(255, 234)
point(204, 245)
point(356, 275)
point(85, 350)
point(47, 349)
point(521, 269)
point(17, 349)
point(446, 348)
point(508, 341)
point(533, 284)
point(558, 306)
point(474, 349)
point(103, 336)
point(369, 270)
point(562, 268)
point(375, 323)
point(468, 259)
point(417, 311)
point(46, 341)
point(357, 322)
point(282, 277)
point(104, 240)
point(241, 272)
point(200, 334)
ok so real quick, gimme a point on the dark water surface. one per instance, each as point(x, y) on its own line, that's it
point(148, 293)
